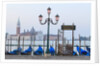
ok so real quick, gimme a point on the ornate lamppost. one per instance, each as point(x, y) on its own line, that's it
point(48, 21)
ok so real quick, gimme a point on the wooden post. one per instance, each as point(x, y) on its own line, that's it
point(52, 44)
point(31, 41)
point(79, 45)
point(67, 41)
point(58, 35)
point(34, 42)
point(5, 43)
point(72, 40)
point(23, 43)
point(19, 43)
point(32, 45)
point(10, 43)
point(58, 40)
point(84, 44)
point(56, 46)
point(63, 38)
point(34, 39)
point(44, 45)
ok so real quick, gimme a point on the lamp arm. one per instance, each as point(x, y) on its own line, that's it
point(53, 22)
point(44, 22)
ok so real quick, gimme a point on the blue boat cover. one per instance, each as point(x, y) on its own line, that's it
point(88, 49)
point(83, 52)
point(28, 50)
point(15, 51)
point(74, 53)
point(39, 51)
point(51, 50)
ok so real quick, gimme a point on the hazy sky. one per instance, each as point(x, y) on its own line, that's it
point(79, 13)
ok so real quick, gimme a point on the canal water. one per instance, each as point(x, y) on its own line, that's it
point(14, 44)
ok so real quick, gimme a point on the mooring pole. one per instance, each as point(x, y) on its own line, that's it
point(5, 43)
point(32, 45)
point(18, 44)
point(84, 44)
point(23, 43)
point(34, 42)
point(56, 46)
point(67, 41)
point(58, 35)
point(31, 41)
point(34, 39)
point(79, 45)
point(10, 43)
point(58, 40)
point(63, 38)
point(44, 45)
point(51, 44)
point(72, 39)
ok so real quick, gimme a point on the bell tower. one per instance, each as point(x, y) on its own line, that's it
point(18, 27)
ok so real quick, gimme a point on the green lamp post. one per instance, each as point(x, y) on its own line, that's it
point(48, 20)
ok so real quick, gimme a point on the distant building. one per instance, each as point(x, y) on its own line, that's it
point(28, 35)
point(18, 27)
point(39, 35)
point(85, 38)
point(53, 37)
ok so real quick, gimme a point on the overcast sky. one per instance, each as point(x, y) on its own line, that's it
point(79, 13)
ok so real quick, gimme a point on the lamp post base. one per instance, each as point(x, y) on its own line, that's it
point(47, 52)
point(47, 55)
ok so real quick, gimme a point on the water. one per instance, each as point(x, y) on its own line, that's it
point(37, 43)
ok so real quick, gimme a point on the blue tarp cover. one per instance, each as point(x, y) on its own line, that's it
point(15, 51)
point(88, 49)
point(51, 50)
point(39, 51)
point(83, 52)
point(28, 50)
point(74, 53)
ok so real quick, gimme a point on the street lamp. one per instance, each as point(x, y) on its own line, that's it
point(57, 17)
point(48, 20)
point(49, 10)
point(40, 18)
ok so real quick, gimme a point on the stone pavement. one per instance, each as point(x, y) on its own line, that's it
point(47, 58)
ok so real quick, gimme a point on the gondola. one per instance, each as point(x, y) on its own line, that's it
point(27, 51)
point(39, 51)
point(82, 52)
point(14, 52)
point(88, 49)
point(74, 53)
point(51, 50)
